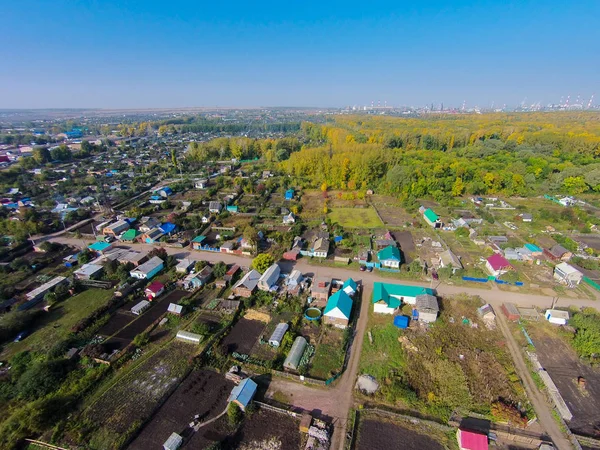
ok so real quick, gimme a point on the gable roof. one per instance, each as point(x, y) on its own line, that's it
point(249, 281)
point(340, 301)
point(558, 250)
point(390, 252)
point(533, 248)
point(168, 227)
point(198, 239)
point(498, 261)
point(155, 287)
point(99, 246)
point(431, 215)
point(130, 235)
point(426, 302)
point(243, 392)
point(350, 282)
point(389, 293)
point(470, 440)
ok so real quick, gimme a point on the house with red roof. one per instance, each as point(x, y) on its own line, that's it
point(497, 265)
point(154, 289)
point(471, 440)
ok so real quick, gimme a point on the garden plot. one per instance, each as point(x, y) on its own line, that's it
point(132, 398)
point(455, 363)
point(392, 214)
point(243, 336)
point(564, 367)
point(329, 354)
point(203, 393)
point(354, 217)
point(375, 431)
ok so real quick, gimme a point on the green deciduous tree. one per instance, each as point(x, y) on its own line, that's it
point(262, 262)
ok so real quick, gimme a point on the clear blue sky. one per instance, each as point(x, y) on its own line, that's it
point(118, 54)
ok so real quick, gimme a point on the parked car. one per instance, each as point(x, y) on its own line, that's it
point(369, 269)
point(363, 268)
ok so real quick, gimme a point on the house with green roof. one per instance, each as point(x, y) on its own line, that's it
point(130, 235)
point(390, 257)
point(432, 218)
point(388, 298)
point(338, 309)
point(350, 287)
point(197, 242)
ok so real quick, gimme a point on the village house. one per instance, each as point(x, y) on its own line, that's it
point(116, 228)
point(431, 218)
point(567, 274)
point(243, 393)
point(201, 184)
point(154, 289)
point(558, 252)
point(215, 207)
point(148, 223)
point(100, 247)
point(197, 242)
point(535, 250)
point(338, 309)
point(350, 287)
point(496, 265)
point(185, 265)
point(130, 235)
point(247, 285)
point(449, 259)
point(197, 280)
point(390, 257)
point(231, 273)
point(289, 219)
point(387, 297)
point(147, 270)
point(153, 236)
point(320, 291)
point(88, 272)
point(269, 278)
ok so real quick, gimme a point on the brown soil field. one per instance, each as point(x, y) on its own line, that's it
point(203, 392)
point(242, 336)
point(379, 433)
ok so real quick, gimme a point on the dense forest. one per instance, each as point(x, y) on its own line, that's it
point(441, 156)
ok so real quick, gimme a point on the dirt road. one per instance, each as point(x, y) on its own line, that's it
point(540, 404)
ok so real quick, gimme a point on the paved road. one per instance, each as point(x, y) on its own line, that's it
point(539, 402)
point(336, 401)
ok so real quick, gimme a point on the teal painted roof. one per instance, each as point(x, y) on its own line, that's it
point(198, 239)
point(232, 208)
point(431, 215)
point(350, 282)
point(341, 301)
point(99, 246)
point(385, 291)
point(390, 252)
point(533, 247)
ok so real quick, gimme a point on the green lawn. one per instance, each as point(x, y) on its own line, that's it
point(355, 217)
point(385, 355)
point(56, 324)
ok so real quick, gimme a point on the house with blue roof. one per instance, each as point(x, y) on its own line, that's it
point(390, 257)
point(168, 228)
point(338, 309)
point(535, 250)
point(350, 287)
point(243, 393)
point(388, 298)
point(289, 194)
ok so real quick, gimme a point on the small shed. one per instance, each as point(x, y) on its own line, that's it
point(427, 307)
point(186, 336)
point(140, 307)
point(510, 311)
point(401, 322)
point(305, 422)
point(175, 309)
point(292, 361)
point(243, 393)
point(278, 334)
point(557, 316)
point(486, 312)
point(173, 443)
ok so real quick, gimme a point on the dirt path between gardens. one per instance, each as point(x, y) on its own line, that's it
point(540, 404)
point(335, 401)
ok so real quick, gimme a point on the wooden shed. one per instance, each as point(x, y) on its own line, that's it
point(510, 311)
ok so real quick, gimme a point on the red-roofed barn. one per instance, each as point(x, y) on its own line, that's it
point(497, 265)
point(471, 440)
point(154, 290)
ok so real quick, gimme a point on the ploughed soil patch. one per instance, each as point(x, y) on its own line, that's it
point(203, 392)
point(381, 433)
point(242, 336)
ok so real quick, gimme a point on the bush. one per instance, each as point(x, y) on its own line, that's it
point(234, 414)
point(42, 378)
point(262, 262)
point(141, 339)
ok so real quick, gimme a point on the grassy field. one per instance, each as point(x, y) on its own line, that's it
point(355, 217)
point(56, 325)
point(451, 365)
point(329, 354)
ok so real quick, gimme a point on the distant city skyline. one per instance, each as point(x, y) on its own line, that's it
point(152, 54)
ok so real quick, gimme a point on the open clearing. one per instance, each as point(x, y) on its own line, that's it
point(203, 392)
point(563, 366)
point(329, 354)
point(57, 324)
point(355, 217)
point(375, 431)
